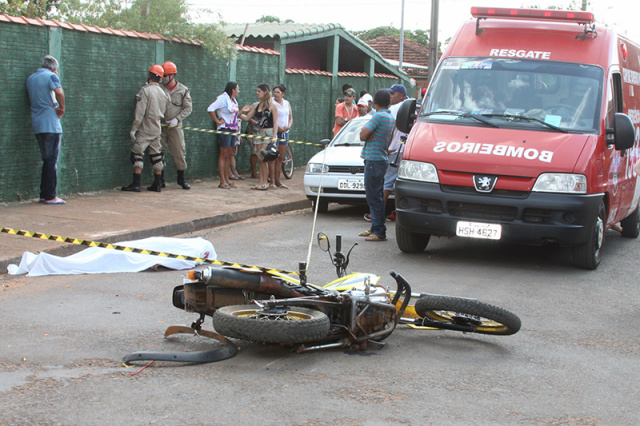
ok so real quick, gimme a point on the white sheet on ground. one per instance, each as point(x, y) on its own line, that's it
point(98, 260)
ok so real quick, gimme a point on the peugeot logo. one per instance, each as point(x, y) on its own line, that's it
point(484, 183)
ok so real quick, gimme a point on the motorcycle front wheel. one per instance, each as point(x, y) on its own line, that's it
point(281, 326)
point(480, 317)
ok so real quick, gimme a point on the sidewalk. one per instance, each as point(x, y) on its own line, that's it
point(114, 215)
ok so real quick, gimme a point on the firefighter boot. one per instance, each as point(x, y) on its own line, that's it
point(156, 185)
point(181, 180)
point(135, 185)
point(163, 184)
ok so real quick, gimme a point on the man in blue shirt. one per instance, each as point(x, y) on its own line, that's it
point(47, 106)
point(376, 134)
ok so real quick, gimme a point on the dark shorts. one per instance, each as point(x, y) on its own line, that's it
point(227, 141)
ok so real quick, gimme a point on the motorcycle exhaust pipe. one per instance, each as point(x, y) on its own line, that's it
point(243, 280)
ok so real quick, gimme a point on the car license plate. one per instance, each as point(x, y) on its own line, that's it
point(487, 231)
point(351, 184)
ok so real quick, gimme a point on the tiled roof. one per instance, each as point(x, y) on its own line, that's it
point(340, 73)
point(412, 52)
point(277, 30)
point(122, 33)
point(301, 71)
point(257, 50)
point(352, 74)
point(379, 74)
point(100, 30)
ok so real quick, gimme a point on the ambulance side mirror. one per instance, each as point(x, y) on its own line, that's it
point(623, 132)
point(406, 115)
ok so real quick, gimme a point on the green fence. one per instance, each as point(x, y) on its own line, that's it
point(101, 75)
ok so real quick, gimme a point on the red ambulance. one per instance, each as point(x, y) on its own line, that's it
point(528, 134)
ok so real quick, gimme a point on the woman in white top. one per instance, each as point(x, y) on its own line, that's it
point(285, 120)
point(224, 112)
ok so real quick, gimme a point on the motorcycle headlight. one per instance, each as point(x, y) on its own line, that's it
point(562, 183)
point(317, 168)
point(417, 170)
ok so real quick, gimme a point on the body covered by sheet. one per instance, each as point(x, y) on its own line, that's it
point(97, 260)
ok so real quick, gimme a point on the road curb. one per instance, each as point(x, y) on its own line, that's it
point(172, 229)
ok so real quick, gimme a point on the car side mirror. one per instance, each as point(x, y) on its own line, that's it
point(325, 142)
point(623, 132)
point(406, 115)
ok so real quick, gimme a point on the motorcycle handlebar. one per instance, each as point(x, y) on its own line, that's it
point(403, 287)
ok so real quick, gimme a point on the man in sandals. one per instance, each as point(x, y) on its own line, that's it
point(376, 134)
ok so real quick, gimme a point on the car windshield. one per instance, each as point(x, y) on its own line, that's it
point(350, 134)
point(554, 96)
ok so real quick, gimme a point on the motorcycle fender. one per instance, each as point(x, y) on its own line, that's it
point(352, 280)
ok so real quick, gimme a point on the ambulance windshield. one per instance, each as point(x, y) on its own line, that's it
point(523, 93)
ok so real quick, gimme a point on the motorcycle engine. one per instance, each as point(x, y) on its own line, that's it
point(373, 318)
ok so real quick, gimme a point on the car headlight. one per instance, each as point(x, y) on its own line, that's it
point(561, 182)
point(317, 168)
point(417, 170)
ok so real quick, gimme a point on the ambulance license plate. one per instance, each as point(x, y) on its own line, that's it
point(351, 184)
point(487, 231)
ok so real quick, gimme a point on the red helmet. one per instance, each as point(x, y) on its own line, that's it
point(170, 68)
point(157, 70)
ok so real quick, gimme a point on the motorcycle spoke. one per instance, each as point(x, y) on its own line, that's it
point(273, 316)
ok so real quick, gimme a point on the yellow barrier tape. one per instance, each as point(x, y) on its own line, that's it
point(88, 243)
point(245, 135)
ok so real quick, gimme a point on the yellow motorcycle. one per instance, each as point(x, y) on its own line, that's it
point(350, 312)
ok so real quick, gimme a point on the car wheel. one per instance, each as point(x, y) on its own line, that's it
point(323, 206)
point(411, 242)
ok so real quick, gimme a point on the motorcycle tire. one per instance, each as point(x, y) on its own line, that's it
point(286, 326)
point(485, 318)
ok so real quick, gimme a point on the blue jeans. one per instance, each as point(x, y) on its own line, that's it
point(284, 135)
point(227, 141)
point(373, 187)
point(49, 150)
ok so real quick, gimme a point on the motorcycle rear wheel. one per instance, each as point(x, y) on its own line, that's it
point(285, 326)
point(485, 318)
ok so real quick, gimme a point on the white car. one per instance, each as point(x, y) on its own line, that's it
point(340, 168)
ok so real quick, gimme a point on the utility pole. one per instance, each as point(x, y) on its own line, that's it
point(401, 54)
point(433, 38)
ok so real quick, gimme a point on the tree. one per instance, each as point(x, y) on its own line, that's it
point(419, 36)
point(378, 32)
point(268, 18)
point(28, 8)
point(166, 17)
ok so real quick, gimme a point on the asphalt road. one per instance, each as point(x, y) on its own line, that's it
point(575, 361)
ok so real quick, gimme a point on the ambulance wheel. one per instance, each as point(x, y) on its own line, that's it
point(631, 225)
point(587, 255)
point(411, 242)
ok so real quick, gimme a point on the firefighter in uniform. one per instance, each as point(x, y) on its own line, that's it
point(151, 104)
point(179, 108)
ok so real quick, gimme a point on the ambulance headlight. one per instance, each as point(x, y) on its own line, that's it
point(561, 182)
point(417, 170)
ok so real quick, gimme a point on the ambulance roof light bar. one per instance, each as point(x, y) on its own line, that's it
point(580, 17)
